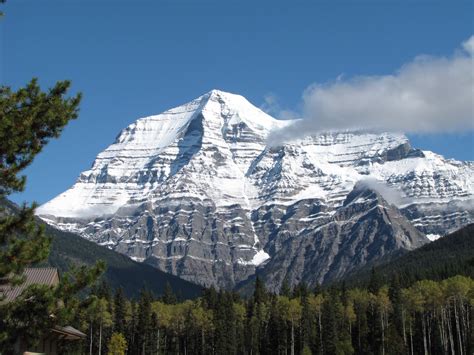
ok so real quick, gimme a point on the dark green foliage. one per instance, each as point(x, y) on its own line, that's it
point(224, 320)
point(144, 330)
point(168, 295)
point(22, 243)
point(119, 311)
point(285, 289)
point(330, 320)
point(259, 294)
point(210, 297)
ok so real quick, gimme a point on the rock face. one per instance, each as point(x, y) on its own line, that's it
point(314, 246)
point(195, 191)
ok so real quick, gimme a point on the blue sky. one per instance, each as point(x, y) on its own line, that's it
point(135, 58)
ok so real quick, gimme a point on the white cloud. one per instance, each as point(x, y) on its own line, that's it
point(426, 95)
point(392, 195)
point(272, 106)
point(468, 45)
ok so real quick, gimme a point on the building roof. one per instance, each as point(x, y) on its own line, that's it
point(33, 276)
point(68, 333)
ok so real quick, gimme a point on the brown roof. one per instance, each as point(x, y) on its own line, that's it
point(69, 333)
point(33, 276)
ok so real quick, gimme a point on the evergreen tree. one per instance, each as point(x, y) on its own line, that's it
point(240, 314)
point(168, 295)
point(277, 328)
point(260, 293)
point(119, 311)
point(29, 119)
point(285, 289)
point(210, 298)
point(155, 335)
point(102, 290)
point(300, 291)
point(308, 325)
point(144, 330)
point(375, 281)
point(132, 326)
point(330, 334)
point(394, 332)
point(225, 325)
point(317, 289)
point(257, 309)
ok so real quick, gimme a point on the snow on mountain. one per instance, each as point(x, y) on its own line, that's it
point(185, 190)
point(216, 127)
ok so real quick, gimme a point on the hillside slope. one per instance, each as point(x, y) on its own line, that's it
point(450, 255)
point(70, 249)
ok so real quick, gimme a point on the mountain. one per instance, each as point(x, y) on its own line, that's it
point(197, 192)
point(68, 250)
point(446, 257)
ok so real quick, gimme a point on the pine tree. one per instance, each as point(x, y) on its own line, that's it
point(394, 333)
point(210, 298)
point(225, 324)
point(285, 289)
point(330, 334)
point(260, 293)
point(29, 119)
point(119, 311)
point(375, 281)
point(307, 322)
point(132, 333)
point(144, 330)
point(168, 295)
point(102, 290)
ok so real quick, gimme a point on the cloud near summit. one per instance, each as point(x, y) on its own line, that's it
point(427, 95)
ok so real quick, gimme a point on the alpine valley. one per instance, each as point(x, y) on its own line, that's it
point(197, 192)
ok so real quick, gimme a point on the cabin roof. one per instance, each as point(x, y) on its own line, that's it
point(68, 333)
point(33, 276)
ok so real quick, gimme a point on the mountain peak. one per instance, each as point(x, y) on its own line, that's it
point(217, 92)
point(222, 96)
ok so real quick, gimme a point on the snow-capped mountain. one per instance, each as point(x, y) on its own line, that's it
point(197, 192)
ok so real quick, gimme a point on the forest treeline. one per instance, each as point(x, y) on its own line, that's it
point(429, 317)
